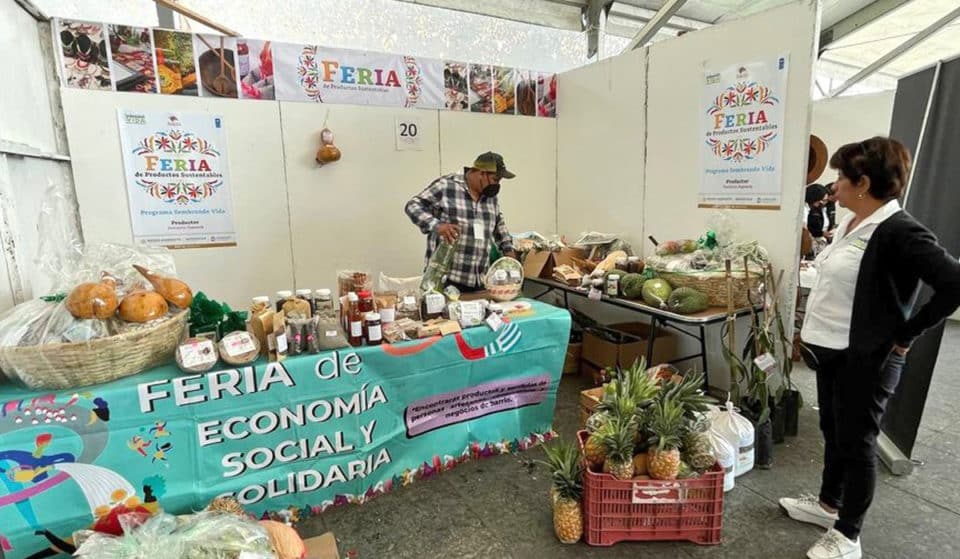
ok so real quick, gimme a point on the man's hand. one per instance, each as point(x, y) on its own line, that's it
point(448, 232)
point(512, 254)
point(901, 351)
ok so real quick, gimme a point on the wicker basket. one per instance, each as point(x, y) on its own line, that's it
point(503, 293)
point(72, 365)
point(714, 286)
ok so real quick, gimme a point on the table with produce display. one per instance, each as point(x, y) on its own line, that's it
point(302, 434)
point(659, 318)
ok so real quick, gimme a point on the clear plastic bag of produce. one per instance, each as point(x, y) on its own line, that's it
point(438, 267)
point(204, 535)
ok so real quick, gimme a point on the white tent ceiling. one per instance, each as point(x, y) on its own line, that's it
point(863, 36)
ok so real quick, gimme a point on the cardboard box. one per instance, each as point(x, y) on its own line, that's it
point(322, 547)
point(540, 264)
point(631, 345)
point(571, 363)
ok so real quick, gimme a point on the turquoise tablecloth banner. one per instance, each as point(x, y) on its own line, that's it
point(311, 432)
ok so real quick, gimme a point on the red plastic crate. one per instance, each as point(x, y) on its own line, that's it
point(649, 510)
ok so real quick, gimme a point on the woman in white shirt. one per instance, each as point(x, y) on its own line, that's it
point(858, 329)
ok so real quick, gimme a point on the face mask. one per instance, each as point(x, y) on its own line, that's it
point(491, 190)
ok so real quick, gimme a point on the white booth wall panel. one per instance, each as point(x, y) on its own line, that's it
point(529, 148)
point(261, 261)
point(600, 148)
point(844, 120)
point(349, 214)
point(673, 177)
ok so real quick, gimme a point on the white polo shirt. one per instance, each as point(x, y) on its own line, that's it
point(830, 305)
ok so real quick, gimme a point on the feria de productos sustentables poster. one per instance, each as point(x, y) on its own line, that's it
point(178, 185)
point(742, 126)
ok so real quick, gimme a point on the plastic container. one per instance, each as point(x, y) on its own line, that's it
point(649, 510)
point(739, 432)
point(282, 297)
point(726, 456)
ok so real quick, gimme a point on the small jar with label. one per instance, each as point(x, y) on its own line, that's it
point(282, 297)
point(323, 304)
point(500, 277)
point(635, 264)
point(355, 320)
point(259, 304)
point(306, 295)
point(613, 285)
point(623, 265)
point(374, 329)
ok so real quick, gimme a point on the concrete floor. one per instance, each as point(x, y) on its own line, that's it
point(498, 507)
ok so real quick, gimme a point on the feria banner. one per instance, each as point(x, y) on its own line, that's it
point(302, 435)
point(177, 178)
point(742, 118)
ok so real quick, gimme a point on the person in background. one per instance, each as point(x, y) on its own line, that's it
point(831, 206)
point(858, 328)
point(814, 217)
point(463, 208)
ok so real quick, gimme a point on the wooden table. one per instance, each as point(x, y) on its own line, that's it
point(659, 318)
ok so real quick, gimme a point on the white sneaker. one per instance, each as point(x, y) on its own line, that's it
point(807, 509)
point(834, 545)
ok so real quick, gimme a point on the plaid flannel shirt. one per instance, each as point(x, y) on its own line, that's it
point(448, 200)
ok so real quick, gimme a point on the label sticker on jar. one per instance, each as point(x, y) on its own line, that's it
point(374, 333)
point(515, 275)
point(238, 344)
point(196, 354)
point(435, 303)
point(500, 275)
point(409, 301)
point(282, 343)
point(388, 315)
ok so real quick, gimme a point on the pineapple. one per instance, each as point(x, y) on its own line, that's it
point(640, 464)
point(619, 444)
point(696, 449)
point(593, 450)
point(666, 423)
point(567, 491)
point(687, 391)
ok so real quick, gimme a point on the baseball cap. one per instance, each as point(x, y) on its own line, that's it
point(491, 162)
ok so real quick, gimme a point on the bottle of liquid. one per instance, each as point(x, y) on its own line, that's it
point(374, 328)
point(355, 320)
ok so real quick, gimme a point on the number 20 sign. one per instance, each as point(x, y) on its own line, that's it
point(409, 133)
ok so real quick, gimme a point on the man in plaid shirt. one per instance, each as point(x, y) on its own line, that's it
point(464, 209)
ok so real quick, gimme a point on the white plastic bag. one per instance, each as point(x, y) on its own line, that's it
point(725, 455)
point(738, 431)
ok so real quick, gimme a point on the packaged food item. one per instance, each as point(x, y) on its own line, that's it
point(282, 297)
point(399, 286)
point(296, 308)
point(330, 335)
point(261, 326)
point(196, 355)
point(408, 306)
point(259, 304)
point(409, 327)
point(295, 340)
point(433, 304)
point(467, 313)
point(323, 306)
point(394, 332)
point(306, 295)
point(373, 328)
point(277, 340)
point(452, 293)
point(310, 333)
point(438, 327)
point(438, 267)
point(239, 348)
point(349, 280)
point(387, 307)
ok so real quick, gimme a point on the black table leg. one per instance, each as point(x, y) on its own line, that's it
point(653, 338)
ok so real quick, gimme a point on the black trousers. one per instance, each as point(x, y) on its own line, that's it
point(853, 389)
